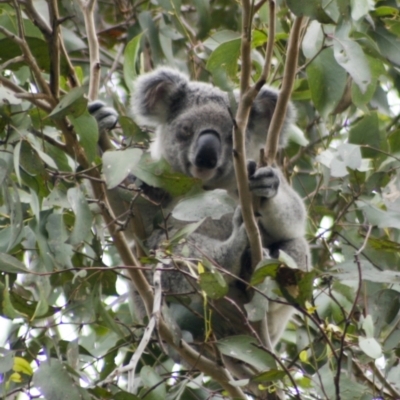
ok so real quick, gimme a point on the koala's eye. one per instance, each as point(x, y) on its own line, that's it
point(184, 132)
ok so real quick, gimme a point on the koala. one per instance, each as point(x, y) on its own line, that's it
point(193, 131)
point(193, 127)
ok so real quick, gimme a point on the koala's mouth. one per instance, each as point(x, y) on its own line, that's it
point(205, 174)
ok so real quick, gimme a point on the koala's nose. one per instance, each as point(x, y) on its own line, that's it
point(207, 150)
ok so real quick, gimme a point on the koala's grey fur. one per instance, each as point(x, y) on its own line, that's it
point(193, 132)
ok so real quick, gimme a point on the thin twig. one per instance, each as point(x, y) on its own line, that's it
point(270, 44)
point(11, 61)
point(54, 48)
point(348, 319)
point(19, 91)
point(28, 56)
point(392, 390)
point(271, 146)
point(131, 368)
point(259, 5)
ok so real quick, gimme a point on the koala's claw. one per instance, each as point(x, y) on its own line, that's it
point(264, 182)
point(105, 116)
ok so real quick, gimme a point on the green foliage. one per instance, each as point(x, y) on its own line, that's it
point(67, 330)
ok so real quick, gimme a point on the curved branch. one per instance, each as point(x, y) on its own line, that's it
point(24, 94)
point(271, 146)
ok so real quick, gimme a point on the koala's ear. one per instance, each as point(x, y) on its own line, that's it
point(261, 115)
point(157, 94)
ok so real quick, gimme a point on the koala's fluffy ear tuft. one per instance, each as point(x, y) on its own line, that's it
point(157, 95)
point(262, 111)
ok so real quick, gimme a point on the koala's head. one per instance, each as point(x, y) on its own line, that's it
point(194, 124)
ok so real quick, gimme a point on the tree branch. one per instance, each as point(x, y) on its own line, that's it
point(270, 45)
point(42, 24)
point(271, 147)
point(247, 96)
point(239, 138)
point(30, 60)
point(24, 94)
point(54, 48)
point(94, 54)
point(36, 18)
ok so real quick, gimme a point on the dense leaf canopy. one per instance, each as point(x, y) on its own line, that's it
point(66, 328)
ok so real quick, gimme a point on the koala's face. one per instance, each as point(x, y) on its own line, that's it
point(193, 125)
point(198, 142)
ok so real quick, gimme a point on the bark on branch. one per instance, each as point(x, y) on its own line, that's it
point(87, 8)
point(271, 147)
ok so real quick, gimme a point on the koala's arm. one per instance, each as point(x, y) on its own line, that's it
point(281, 211)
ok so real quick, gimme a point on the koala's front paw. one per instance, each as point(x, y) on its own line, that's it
point(264, 182)
point(106, 117)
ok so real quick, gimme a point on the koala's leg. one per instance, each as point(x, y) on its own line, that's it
point(228, 253)
point(278, 317)
point(297, 248)
point(280, 314)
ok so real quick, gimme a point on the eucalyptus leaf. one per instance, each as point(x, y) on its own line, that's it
point(159, 174)
point(73, 103)
point(313, 39)
point(86, 127)
point(370, 347)
point(83, 216)
point(6, 361)
point(13, 203)
point(152, 380)
point(245, 349)
point(269, 376)
point(348, 271)
point(117, 165)
point(130, 60)
point(10, 264)
point(349, 54)
point(225, 57)
point(213, 284)
point(327, 80)
point(310, 8)
point(220, 37)
point(266, 268)
point(185, 231)
point(214, 204)
point(55, 382)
